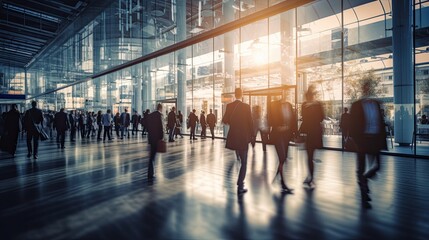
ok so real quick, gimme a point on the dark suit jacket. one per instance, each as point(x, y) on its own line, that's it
point(238, 117)
point(367, 143)
point(154, 127)
point(211, 120)
point(171, 119)
point(33, 114)
point(312, 116)
point(282, 119)
point(72, 121)
point(12, 122)
point(61, 122)
point(193, 119)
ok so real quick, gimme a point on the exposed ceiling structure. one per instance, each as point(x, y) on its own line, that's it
point(28, 26)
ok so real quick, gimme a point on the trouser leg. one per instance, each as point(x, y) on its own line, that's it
point(243, 168)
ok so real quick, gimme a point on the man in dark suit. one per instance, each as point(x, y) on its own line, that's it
point(156, 133)
point(238, 117)
point(62, 125)
point(125, 123)
point(33, 116)
point(211, 121)
point(193, 120)
point(369, 134)
point(135, 120)
point(12, 127)
point(171, 123)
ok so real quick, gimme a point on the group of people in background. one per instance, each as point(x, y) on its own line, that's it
point(87, 124)
point(365, 126)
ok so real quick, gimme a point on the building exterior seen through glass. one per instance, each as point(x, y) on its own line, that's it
point(193, 54)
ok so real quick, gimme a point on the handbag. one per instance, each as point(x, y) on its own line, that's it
point(39, 128)
point(161, 147)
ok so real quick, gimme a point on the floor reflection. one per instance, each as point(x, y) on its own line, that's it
point(100, 191)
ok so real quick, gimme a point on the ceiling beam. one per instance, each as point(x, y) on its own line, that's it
point(16, 26)
point(22, 36)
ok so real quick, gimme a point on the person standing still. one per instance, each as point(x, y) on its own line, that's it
point(135, 120)
point(171, 123)
point(193, 120)
point(62, 125)
point(125, 123)
point(211, 121)
point(203, 125)
point(33, 116)
point(99, 124)
point(155, 134)
point(345, 125)
point(107, 123)
point(239, 118)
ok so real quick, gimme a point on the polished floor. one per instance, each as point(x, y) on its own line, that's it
point(96, 190)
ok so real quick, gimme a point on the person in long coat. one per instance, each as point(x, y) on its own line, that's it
point(61, 123)
point(33, 116)
point(239, 118)
point(193, 120)
point(155, 134)
point(282, 120)
point(369, 134)
point(312, 117)
point(13, 127)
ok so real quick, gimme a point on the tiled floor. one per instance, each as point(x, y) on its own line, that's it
point(96, 190)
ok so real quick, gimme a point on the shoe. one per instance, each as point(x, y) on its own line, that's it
point(309, 184)
point(171, 140)
point(287, 190)
point(63, 147)
point(195, 138)
point(28, 155)
point(151, 177)
point(241, 191)
point(35, 157)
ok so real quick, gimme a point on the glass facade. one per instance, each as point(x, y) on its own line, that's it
point(192, 54)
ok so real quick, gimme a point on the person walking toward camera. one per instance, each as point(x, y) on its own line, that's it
point(312, 117)
point(369, 133)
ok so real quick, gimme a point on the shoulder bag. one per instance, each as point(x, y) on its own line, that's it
point(39, 128)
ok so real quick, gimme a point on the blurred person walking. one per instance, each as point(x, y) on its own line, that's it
point(312, 117)
point(238, 117)
point(282, 120)
point(369, 134)
point(155, 135)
